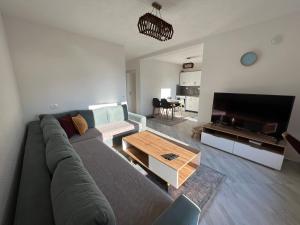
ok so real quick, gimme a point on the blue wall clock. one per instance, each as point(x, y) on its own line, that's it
point(249, 58)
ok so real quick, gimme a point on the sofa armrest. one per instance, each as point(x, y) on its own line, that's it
point(138, 118)
point(182, 212)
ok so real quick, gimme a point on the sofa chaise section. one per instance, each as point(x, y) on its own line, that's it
point(132, 196)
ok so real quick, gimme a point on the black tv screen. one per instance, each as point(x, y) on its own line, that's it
point(265, 114)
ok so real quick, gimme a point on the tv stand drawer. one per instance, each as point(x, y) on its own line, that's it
point(217, 142)
point(258, 155)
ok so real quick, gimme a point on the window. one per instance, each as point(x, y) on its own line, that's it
point(165, 93)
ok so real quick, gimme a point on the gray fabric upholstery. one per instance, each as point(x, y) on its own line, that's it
point(33, 202)
point(76, 198)
point(58, 148)
point(49, 120)
point(87, 115)
point(50, 130)
point(90, 133)
point(135, 200)
point(182, 212)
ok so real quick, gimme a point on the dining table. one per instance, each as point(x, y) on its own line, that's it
point(173, 103)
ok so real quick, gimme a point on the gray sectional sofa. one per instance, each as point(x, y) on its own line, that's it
point(87, 182)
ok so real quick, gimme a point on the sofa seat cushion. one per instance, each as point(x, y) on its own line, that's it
point(135, 200)
point(76, 199)
point(90, 133)
point(110, 130)
point(137, 126)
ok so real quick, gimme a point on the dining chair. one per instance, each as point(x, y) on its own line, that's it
point(156, 105)
point(180, 105)
point(166, 106)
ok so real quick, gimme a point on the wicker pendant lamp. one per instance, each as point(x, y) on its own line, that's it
point(154, 26)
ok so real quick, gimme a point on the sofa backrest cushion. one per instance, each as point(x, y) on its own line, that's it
point(100, 116)
point(53, 130)
point(66, 123)
point(76, 199)
point(87, 114)
point(48, 120)
point(51, 127)
point(33, 201)
point(115, 113)
point(59, 148)
point(110, 114)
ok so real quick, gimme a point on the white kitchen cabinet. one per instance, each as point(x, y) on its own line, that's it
point(190, 78)
point(192, 103)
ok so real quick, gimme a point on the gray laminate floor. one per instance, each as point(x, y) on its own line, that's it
point(251, 194)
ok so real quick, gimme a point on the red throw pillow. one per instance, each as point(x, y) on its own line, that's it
point(67, 124)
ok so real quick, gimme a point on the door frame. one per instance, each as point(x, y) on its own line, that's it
point(133, 73)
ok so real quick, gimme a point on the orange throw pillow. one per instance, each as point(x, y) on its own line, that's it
point(80, 124)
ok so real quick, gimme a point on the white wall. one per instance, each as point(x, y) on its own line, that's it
point(12, 129)
point(58, 67)
point(155, 75)
point(276, 72)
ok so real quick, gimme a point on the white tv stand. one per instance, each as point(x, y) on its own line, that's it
point(255, 147)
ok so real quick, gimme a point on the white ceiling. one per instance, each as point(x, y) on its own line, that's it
point(116, 20)
point(180, 56)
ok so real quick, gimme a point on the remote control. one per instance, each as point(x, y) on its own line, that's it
point(170, 156)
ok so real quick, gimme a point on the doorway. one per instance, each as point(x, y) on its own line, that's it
point(131, 90)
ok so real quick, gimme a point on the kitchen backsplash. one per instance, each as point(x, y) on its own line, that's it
point(188, 90)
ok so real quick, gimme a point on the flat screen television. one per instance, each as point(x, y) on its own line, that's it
point(265, 114)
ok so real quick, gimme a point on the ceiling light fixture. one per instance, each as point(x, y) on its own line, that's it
point(154, 26)
point(193, 57)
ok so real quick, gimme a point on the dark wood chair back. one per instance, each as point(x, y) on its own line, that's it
point(156, 102)
point(165, 104)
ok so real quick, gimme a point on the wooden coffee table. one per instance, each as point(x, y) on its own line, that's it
point(147, 149)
